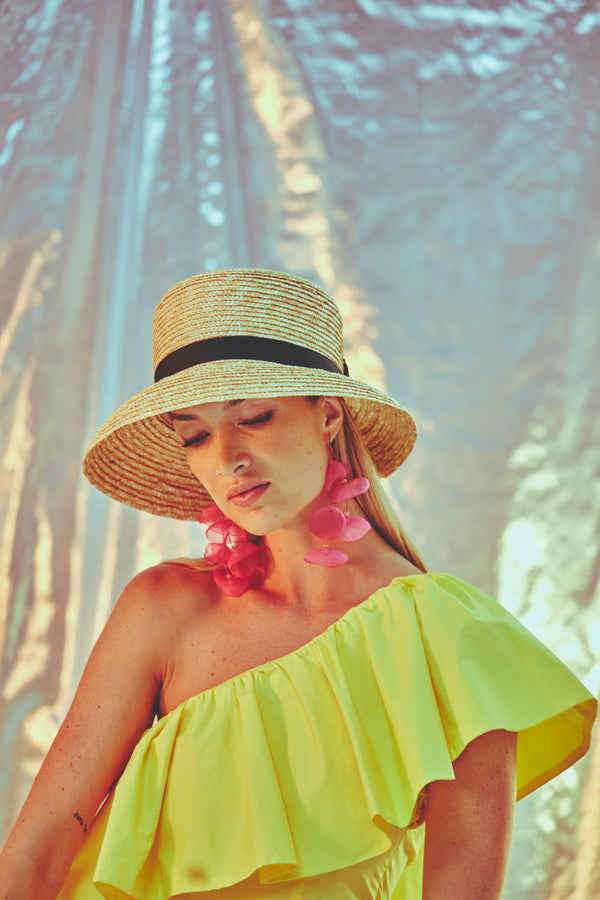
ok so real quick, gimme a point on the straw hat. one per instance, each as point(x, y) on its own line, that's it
point(227, 335)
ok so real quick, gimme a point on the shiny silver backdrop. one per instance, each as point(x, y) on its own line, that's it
point(435, 165)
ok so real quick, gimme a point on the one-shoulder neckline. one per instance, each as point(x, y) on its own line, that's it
point(278, 660)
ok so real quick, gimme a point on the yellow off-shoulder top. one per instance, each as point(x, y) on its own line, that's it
point(303, 777)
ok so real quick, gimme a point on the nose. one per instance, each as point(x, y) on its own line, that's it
point(230, 456)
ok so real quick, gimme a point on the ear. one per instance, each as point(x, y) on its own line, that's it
point(334, 416)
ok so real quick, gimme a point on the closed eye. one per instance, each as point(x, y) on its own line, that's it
point(196, 440)
point(261, 420)
point(199, 439)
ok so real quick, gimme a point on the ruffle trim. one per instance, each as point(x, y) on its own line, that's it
point(318, 760)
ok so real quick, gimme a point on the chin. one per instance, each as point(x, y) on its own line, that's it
point(255, 525)
point(264, 520)
point(261, 529)
point(261, 525)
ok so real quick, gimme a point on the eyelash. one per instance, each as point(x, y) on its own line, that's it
point(192, 442)
point(199, 439)
point(261, 420)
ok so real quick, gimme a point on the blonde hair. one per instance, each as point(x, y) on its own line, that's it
point(374, 504)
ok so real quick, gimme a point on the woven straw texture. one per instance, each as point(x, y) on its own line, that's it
point(254, 302)
point(137, 458)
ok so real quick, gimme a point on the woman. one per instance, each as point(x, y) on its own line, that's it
point(308, 713)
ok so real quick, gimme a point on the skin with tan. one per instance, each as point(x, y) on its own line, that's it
point(173, 634)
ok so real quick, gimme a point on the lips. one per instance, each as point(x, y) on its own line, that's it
point(247, 494)
point(243, 487)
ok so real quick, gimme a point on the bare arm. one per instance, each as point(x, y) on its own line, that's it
point(114, 703)
point(469, 822)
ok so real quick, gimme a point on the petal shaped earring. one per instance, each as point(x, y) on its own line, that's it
point(231, 550)
point(329, 522)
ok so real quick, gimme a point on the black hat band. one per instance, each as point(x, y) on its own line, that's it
point(243, 347)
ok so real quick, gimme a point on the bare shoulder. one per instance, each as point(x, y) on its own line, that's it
point(163, 582)
point(136, 650)
point(116, 700)
point(166, 593)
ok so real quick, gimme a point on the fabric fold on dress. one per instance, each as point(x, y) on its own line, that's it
point(314, 762)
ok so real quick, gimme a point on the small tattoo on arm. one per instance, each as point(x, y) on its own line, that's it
point(81, 822)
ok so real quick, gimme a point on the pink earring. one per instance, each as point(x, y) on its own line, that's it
point(329, 522)
point(231, 549)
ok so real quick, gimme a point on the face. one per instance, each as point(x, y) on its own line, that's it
point(262, 461)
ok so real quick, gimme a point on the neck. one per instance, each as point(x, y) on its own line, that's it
point(292, 581)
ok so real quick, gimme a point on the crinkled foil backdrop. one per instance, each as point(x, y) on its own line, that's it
point(436, 166)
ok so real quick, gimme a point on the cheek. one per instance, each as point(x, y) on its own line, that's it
point(196, 467)
point(307, 463)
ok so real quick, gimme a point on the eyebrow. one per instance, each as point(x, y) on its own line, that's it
point(190, 417)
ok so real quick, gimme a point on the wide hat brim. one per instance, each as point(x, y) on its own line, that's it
point(137, 458)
